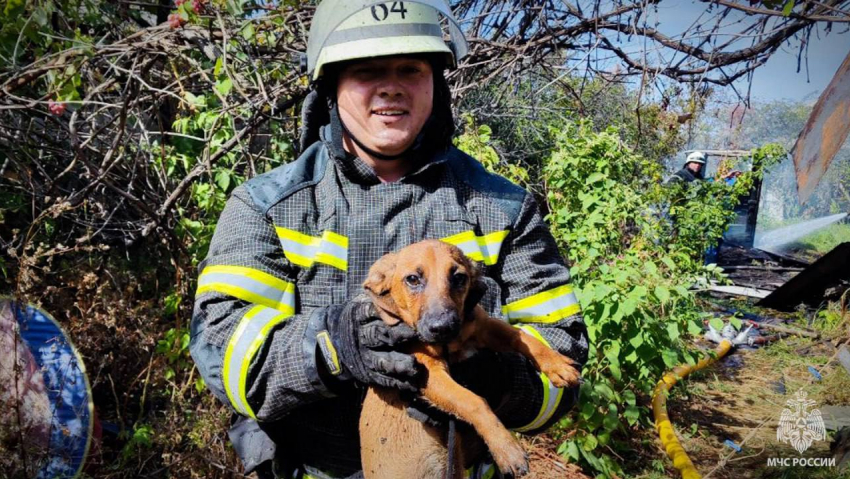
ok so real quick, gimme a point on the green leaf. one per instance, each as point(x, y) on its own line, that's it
point(13, 7)
point(224, 86)
point(219, 65)
point(604, 390)
point(612, 353)
point(636, 340)
point(572, 450)
point(662, 293)
point(632, 414)
point(673, 331)
point(589, 443)
point(694, 328)
point(247, 33)
point(716, 323)
point(222, 179)
point(651, 268)
point(670, 357)
point(593, 178)
point(788, 8)
point(199, 384)
point(587, 411)
point(735, 322)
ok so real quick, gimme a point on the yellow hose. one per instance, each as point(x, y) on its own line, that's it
point(671, 443)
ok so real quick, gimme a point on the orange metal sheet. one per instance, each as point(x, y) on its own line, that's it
point(824, 133)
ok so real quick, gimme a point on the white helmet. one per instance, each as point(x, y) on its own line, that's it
point(353, 29)
point(696, 157)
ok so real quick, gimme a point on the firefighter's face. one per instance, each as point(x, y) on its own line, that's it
point(384, 102)
point(695, 167)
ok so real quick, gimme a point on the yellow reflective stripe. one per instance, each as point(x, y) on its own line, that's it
point(293, 235)
point(252, 273)
point(546, 307)
point(297, 259)
point(304, 250)
point(325, 337)
point(250, 334)
point(332, 261)
point(335, 238)
point(479, 248)
point(551, 394)
point(250, 285)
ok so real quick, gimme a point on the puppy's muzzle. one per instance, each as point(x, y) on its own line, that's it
point(439, 325)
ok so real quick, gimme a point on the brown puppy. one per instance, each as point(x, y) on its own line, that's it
point(433, 287)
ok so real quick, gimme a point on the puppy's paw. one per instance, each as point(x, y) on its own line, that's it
point(511, 458)
point(560, 370)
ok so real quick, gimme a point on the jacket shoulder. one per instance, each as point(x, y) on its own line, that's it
point(270, 188)
point(508, 196)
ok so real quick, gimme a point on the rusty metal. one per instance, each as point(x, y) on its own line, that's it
point(824, 133)
point(812, 284)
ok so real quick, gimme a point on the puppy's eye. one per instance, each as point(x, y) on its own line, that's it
point(459, 280)
point(412, 280)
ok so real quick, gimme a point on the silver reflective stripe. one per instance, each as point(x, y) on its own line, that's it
point(555, 394)
point(250, 334)
point(549, 307)
point(551, 393)
point(486, 253)
point(274, 295)
point(307, 251)
point(383, 31)
point(334, 250)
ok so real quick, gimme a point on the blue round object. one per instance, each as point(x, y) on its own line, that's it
point(68, 390)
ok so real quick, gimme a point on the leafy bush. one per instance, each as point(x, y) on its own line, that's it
point(635, 247)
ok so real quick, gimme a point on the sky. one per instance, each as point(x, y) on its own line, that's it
point(778, 78)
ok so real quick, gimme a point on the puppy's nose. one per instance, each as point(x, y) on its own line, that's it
point(440, 326)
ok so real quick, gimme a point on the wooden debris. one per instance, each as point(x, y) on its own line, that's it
point(740, 291)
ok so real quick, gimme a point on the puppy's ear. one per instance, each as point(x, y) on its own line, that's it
point(477, 288)
point(379, 285)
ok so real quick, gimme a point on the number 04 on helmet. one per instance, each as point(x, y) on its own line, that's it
point(344, 30)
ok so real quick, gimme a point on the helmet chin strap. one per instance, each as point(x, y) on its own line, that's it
point(374, 154)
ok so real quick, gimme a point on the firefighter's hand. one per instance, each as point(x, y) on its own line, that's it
point(361, 346)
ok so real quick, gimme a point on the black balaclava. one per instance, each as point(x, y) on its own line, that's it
point(320, 109)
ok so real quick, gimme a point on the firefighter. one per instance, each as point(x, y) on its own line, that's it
point(693, 170)
point(281, 332)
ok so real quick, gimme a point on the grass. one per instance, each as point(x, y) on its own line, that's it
point(738, 399)
point(822, 241)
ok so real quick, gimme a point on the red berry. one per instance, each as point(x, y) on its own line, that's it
point(179, 2)
point(174, 20)
point(196, 6)
point(56, 108)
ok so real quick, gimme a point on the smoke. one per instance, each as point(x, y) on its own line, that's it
point(774, 239)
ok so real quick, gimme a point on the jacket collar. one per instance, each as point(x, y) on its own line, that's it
point(357, 171)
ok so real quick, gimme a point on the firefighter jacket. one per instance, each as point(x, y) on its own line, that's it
point(303, 236)
point(684, 175)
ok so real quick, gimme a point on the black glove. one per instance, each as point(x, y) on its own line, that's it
point(357, 344)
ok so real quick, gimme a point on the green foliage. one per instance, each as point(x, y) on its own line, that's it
point(175, 348)
point(140, 438)
point(700, 211)
point(633, 263)
point(478, 143)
